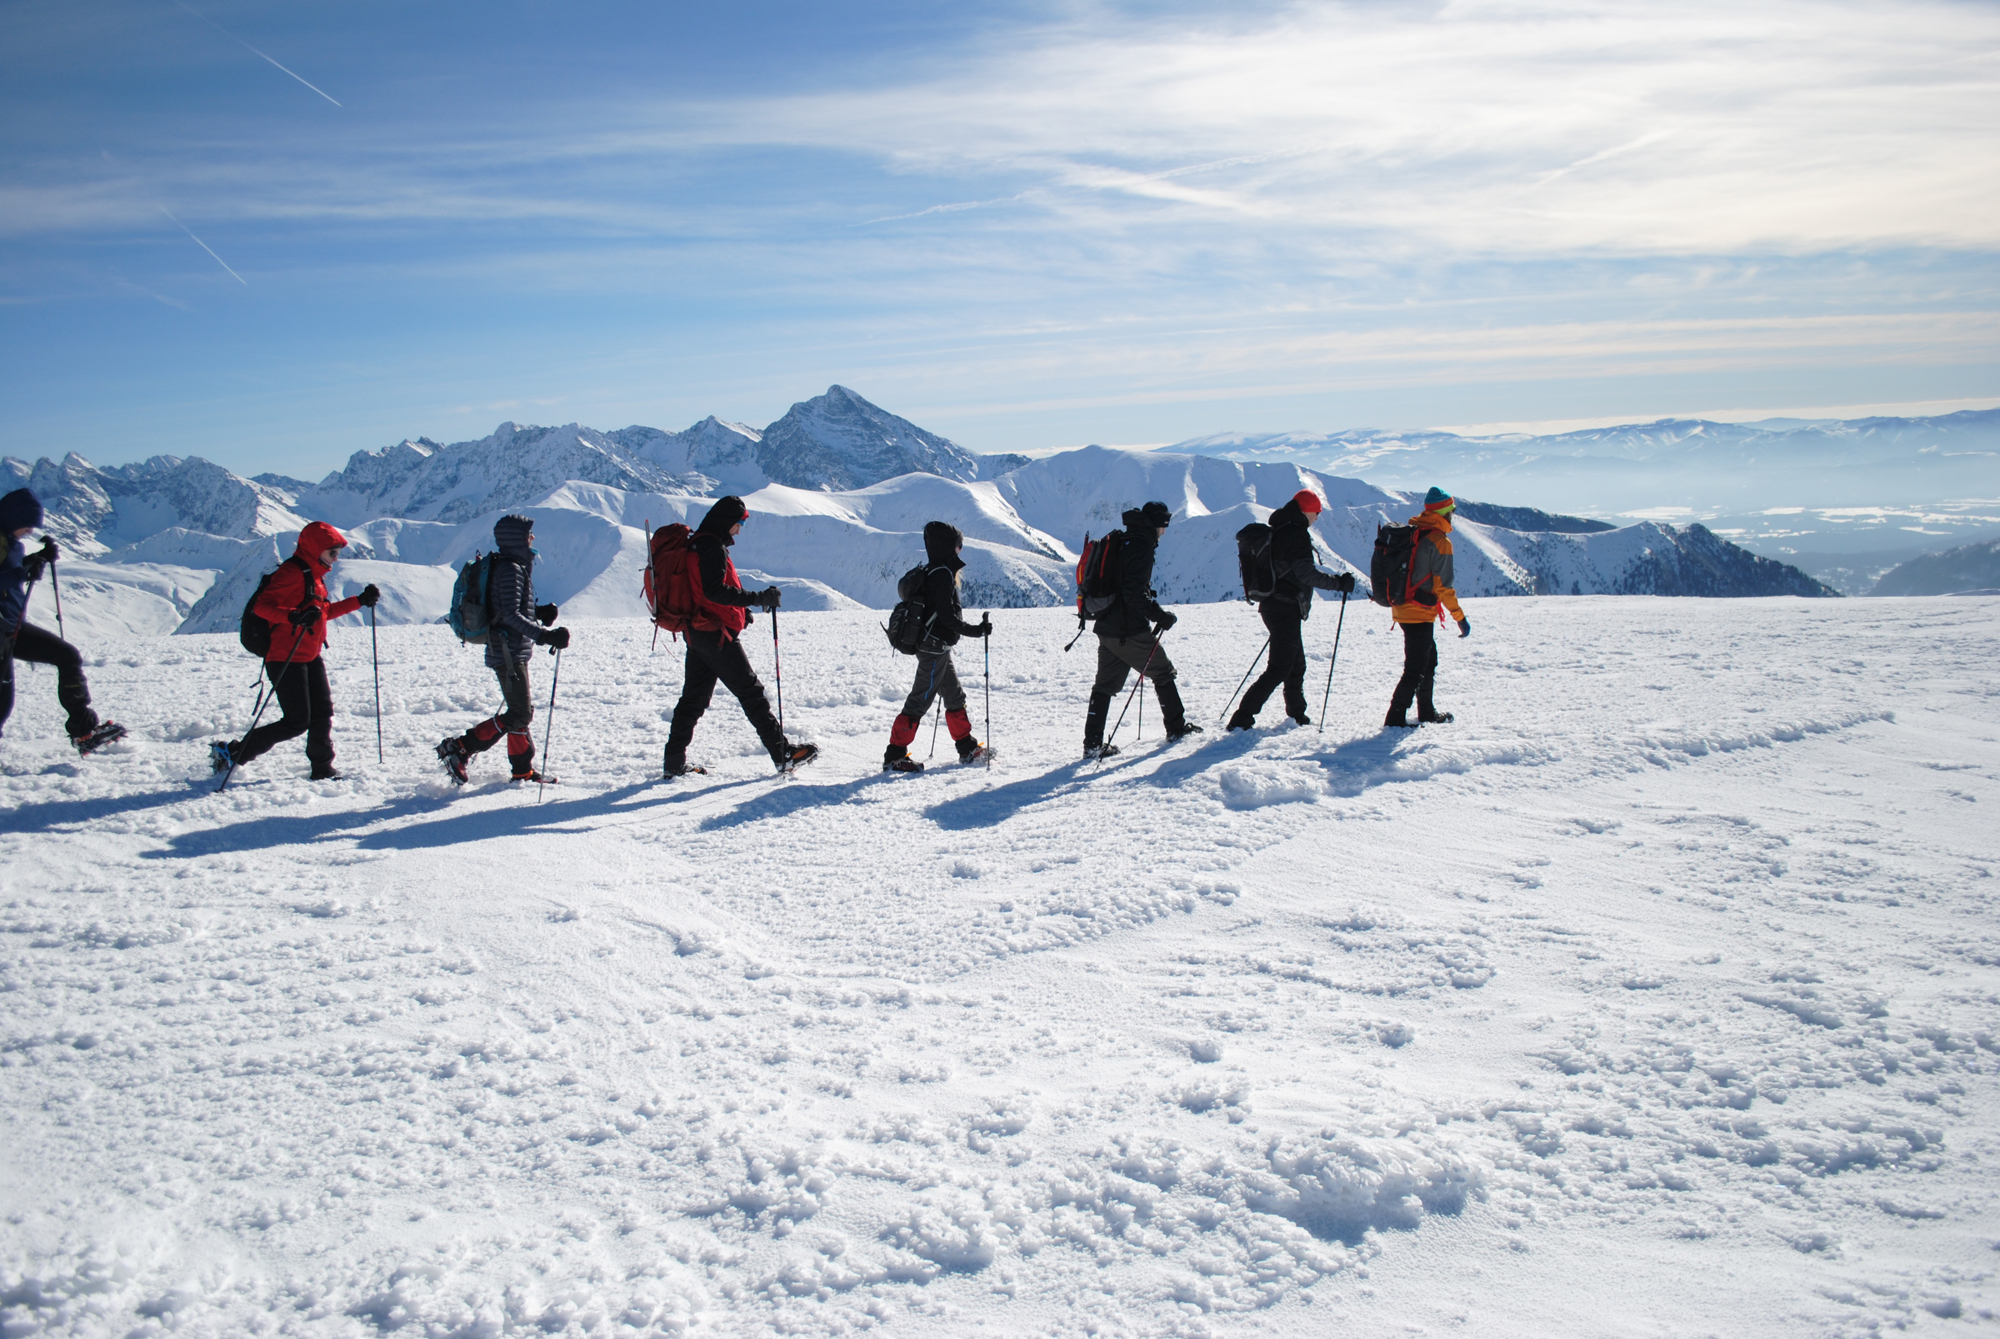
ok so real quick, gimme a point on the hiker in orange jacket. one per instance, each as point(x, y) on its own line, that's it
point(1431, 595)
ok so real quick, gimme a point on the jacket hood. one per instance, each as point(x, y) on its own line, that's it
point(1289, 514)
point(1135, 521)
point(941, 542)
point(1433, 520)
point(316, 538)
point(17, 509)
point(510, 536)
point(726, 512)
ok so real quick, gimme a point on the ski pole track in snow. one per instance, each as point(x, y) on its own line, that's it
point(1672, 959)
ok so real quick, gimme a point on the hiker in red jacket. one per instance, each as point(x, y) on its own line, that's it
point(296, 606)
point(721, 611)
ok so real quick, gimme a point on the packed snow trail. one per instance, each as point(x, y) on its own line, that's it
point(1658, 995)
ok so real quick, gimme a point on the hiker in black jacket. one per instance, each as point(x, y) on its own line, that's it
point(1129, 632)
point(1287, 608)
point(944, 624)
point(516, 626)
point(20, 513)
point(714, 648)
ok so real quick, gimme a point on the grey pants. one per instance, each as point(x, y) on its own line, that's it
point(1117, 658)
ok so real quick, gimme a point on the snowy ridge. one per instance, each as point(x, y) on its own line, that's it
point(1507, 1027)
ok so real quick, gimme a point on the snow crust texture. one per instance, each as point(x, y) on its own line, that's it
point(1657, 995)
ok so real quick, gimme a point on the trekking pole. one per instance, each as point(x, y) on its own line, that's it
point(653, 602)
point(988, 639)
point(375, 658)
point(1332, 661)
point(1141, 728)
point(778, 669)
point(264, 701)
point(1245, 679)
point(936, 721)
point(548, 728)
point(55, 584)
point(1134, 693)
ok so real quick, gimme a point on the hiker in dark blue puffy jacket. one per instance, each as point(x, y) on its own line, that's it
point(516, 625)
point(1287, 608)
point(20, 513)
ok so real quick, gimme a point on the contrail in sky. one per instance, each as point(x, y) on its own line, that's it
point(247, 47)
point(204, 245)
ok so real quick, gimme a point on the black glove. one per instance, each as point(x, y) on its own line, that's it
point(768, 597)
point(557, 638)
point(1465, 627)
point(1166, 620)
point(49, 552)
point(370, 595)
point(33, 564)
point(986, 625)
point(1344, 583)
point(305, 615)
point(545, 614)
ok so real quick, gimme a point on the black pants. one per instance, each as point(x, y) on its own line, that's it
point(1420, 662)
point(1286, 666)
point(711, 659)
point(39, 646)
point(513, 721)
point(306, 700)
point(1117, 657)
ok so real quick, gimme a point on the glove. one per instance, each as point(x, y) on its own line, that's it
point(768, 597)
point(1344, 583)
point(545, 614)
point(985, 626)
point(370, 595)
point(1465, 627)
point(556, 638)
point(1166, 620)
point(33, 563)
point(49, 551)
point(305, 615)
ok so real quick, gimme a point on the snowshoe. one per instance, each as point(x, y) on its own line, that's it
point(537, 777)
point(797, 756)
point(971, 750)
point(219, 759)
point(105, 732)
point(1092, 751)
point(1435, 718)
point(903, 764)
point(455, 757)
point(1183, 730)
point(670, 771)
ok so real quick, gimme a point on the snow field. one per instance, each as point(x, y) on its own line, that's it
point(1655, 996)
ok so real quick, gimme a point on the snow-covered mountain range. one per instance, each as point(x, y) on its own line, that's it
point(839, 490)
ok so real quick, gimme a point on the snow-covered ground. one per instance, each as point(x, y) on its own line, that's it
point(1660, 995)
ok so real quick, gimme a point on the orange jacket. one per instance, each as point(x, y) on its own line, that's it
point(298, 583)
point(1431, 573)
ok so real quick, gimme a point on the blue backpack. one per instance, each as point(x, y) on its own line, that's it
point(469, 615)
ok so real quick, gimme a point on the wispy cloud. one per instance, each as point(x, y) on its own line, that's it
point(255, 52)
point(204, 246)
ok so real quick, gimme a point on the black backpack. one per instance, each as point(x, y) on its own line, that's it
point(253, 630)
point(1389, 570)
point(909, 625)
point(1253, 561)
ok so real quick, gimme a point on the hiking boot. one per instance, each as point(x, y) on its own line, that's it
point(98, 737)
point(797, 756)
point(1183, 730)
point(455, 757)
point(1091, 751)
point(903, 764)
point(539, 778)
point(326, 774)
point(671, 767)
point(970, 749)
point(219, 757)
point(1434, 718)
point(1397, 721)
point(1242, 721)
point(1303, 719)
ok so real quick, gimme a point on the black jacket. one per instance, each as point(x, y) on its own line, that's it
point(510, 594)
point(1292, 562)
point(1135, 610)
point(944, 615)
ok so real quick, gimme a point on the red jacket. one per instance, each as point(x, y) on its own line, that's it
point(300, 581)
point(719, 599)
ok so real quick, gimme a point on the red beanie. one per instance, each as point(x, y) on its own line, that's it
point(1308, 501)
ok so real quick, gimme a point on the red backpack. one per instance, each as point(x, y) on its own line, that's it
point(668, 594)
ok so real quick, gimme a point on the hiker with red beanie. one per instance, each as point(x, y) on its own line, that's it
point(296, 605)
point(944, 624)
point(1287, 608)
point(1431, 594)
point(715, 652)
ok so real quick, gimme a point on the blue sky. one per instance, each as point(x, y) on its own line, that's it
point(1024, 226)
